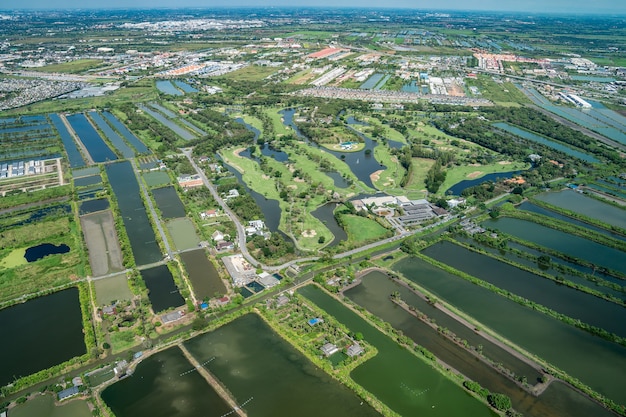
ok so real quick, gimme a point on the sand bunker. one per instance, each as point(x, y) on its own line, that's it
point(474, 174)
point(309, 233)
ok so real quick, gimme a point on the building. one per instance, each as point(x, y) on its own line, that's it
point(329, 349)
point(67, 393)
point(217, 236)
point(190, 181)
point(354, 350)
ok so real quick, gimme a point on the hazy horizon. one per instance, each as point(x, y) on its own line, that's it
point(529, 6)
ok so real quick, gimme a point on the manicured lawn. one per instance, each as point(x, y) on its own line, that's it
point(416, 183)
point(361, 229)
point(279, 128)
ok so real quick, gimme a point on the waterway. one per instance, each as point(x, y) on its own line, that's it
point(572, 245)
point(128, 135)
point(266, 148)
point(582, 204)
point(545, 141)
point(593, 360)
point(138, 228)
point(162, 290)
point(157, 389)
point(73, 154)
point(252, 361)
point(205, 279)
point(561, 401)
point(168, 202)
point(406, 383)
point(560, 298)
point(40, 333)
point(96, 147)
point(326, 216)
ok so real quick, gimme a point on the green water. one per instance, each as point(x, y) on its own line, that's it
point(43, 406)
point(407, 384)
point(582, 204)
point(596, 362)
point(566, 243)
point(559, 400)
point(252, 361)
point(157, 389)
point(560, 298)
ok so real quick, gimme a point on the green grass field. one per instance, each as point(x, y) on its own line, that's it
point(122, 340)
point(249, 73)
point(416, 186)
point(73, 67)
point(279, 128)
point(156, 179)
point(503, 94)
point(361, 229)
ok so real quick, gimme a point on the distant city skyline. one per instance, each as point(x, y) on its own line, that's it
point(529, 6)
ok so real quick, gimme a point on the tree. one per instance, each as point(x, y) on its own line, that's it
point(499, 401)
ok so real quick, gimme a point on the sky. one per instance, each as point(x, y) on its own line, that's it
point(531, 6)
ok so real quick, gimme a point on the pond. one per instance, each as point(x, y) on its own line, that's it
point(86, 181)
point(576, 246)
point(173, 116)
point(252, 361)
point(44, 332)
point(565, 346)
point(92, 206)
point(545, 141)
point(265, 148)
point(35, 253)
point(205, 279)
point(560, 298)
point(533, 208)
point(162, 290)
point(73, 154)
point(587, 206)
point(138, 227)
point(338, 179)
point(113, 137)
point(96, 147)
point(407, 384)
point(168, 202)
point(183, 133)
point(128, 135)
point(459, 187)
point(185, 87)
point(373, 294)
point(165, 86)
point(157, 389)
point(325, 214)
point(44, 406)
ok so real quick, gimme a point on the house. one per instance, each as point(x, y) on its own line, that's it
point(282, 300)
point(77, 381)
point(109, 310)
point(208, 214)
point(222, 301)
point(329, 349)
point(354, 350)
point(232, 194)
point(217, 236)
point(67, 393)
point(224, 245)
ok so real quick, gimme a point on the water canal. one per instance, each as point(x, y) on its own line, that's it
point(459, 187)
point(406, 383)
point(40, 333)
point(325, 214)
point(598, 363)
